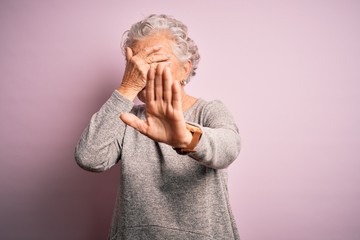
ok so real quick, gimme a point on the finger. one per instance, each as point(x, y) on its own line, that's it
point(167, 82)
point(145, 52)
point(159, 81)
point(150, 86)
point(128, 53)
point(153, 58)
point(153, 65)
point(135, 122)
point(176, 96)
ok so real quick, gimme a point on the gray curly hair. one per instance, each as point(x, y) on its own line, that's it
point(184, 48)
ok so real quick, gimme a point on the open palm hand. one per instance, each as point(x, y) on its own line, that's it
point(164, 116)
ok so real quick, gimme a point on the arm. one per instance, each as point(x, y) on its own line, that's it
point(99, 147)
point(219, 144)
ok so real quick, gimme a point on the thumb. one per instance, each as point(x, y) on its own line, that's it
point(135, 122)
point(128, 53)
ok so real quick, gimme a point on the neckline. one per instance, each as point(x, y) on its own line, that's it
point(192, 107)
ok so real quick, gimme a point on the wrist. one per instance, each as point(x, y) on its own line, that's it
point(128, 92)
point(194, 134)
point(186, 141)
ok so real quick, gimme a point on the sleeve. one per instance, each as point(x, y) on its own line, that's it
point(219, 144)
point(99, 147)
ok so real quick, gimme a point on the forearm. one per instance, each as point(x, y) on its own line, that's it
point(217, 148)
point(98, 148)
point(219, 144)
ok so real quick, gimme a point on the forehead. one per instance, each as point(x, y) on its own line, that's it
point(163, 38)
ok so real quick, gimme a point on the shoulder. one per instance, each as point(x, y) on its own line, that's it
point(213, 106)
point(212, 112)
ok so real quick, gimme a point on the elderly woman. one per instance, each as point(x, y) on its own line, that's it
point(173, 149)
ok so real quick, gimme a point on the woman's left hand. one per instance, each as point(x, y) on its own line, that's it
point(164, 116)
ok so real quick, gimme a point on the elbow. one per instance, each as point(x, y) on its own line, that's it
point(231, 153)
point(237, 147)
point(86, 161)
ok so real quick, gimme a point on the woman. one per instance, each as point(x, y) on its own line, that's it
point(173, 150)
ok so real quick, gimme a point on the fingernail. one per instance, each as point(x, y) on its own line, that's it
point(158, 46)
point(168, 64)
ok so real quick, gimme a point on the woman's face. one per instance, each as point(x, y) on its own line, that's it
point(179, 70)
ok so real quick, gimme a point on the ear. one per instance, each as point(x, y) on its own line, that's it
point(187, 69)
point(128, 53)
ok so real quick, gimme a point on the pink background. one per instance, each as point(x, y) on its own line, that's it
point(289, 71)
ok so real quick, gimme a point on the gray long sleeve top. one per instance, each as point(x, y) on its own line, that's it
point(164, 195)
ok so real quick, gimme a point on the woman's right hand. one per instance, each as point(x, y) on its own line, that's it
point(137, 67)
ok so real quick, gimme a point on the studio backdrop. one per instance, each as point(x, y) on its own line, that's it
point(287, 70)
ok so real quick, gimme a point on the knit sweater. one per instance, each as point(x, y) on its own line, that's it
point(164, 195)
